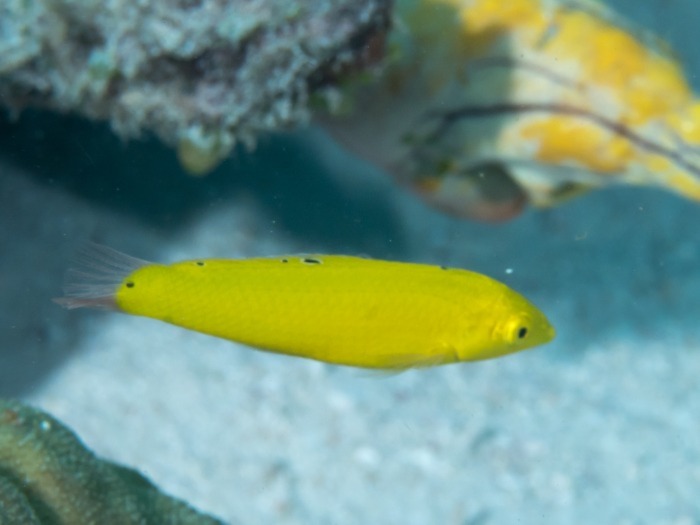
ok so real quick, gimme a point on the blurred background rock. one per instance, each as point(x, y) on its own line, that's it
point(199, 74)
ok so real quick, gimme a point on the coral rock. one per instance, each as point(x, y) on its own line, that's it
point(48, 477)
point(200, 74)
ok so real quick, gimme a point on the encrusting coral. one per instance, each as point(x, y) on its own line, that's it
point(48, 477)
point(485, 107)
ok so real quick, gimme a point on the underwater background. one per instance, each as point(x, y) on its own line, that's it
point(599, 426)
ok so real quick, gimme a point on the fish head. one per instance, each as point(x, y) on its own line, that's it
point(524, 329)
point(513, 324)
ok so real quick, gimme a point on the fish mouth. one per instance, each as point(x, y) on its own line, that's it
point(545, 330)
point(551, 333)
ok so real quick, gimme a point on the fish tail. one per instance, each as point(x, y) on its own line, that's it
point(97, 273)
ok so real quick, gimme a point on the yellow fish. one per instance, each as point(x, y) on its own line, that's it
point(336, 309)
point(487, 105)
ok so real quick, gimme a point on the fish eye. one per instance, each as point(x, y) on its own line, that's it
point(517, 329)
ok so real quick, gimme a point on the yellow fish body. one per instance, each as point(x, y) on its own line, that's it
point(486, 105)
point(336, 309)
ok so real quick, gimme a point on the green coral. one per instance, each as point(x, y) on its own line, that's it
point(48, 477)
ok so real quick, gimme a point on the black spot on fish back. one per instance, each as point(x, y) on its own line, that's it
point(310, 260)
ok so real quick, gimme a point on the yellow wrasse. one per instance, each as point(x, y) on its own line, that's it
point(486, 105)
point(337, 309)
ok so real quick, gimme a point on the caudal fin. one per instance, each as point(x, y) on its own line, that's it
point(97, 273)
